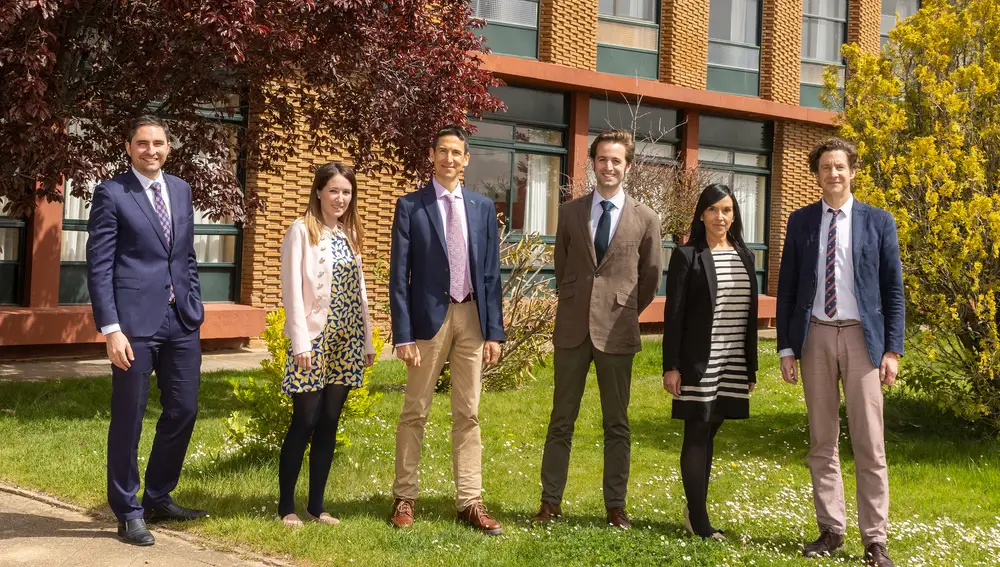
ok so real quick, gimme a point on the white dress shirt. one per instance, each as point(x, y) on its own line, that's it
point(147, 187)
point(596, 210)
point(843, 269)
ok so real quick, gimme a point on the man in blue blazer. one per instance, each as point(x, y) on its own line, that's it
point(840, 310)
point(446, 303)
point(144, 289)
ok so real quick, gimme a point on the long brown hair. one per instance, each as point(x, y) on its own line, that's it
point(350, 220)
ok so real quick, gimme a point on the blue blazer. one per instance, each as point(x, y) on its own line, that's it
point(418, 268)
point(878, 278)
point(130, 266)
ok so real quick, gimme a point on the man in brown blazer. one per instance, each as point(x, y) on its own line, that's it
point(608, 267)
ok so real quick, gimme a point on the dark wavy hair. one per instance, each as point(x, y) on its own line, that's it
point(709, 196)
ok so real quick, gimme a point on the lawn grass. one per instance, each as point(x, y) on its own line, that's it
point(945, 483)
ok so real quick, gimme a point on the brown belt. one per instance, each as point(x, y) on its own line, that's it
point(838, 323)
point(466, 299)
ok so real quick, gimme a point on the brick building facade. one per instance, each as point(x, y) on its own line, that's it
point(731, 86)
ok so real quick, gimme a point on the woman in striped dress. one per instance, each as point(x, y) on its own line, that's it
point(709, 340)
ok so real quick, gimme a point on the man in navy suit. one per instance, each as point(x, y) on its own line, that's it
point(144, 289)
point(446, 303)
point(840, 310)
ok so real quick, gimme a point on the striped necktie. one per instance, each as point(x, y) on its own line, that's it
point(830, 301)
point(160, 206)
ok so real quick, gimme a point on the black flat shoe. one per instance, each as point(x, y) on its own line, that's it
point(173, 512)
point(134, 532)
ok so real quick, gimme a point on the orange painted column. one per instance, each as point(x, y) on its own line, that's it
point(579, 127)
point(689, 141)
point(43, 261)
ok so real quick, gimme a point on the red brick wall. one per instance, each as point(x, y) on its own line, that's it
point(285, 196)
point(781, 50)
point(684, 42)
point(792, 186)
point(568, 33)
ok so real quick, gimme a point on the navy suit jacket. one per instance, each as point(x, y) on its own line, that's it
point(878, 278)
point(419, 281)
point(130, 266)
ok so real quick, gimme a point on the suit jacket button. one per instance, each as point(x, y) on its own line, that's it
point(597, 274)
point(166, 286)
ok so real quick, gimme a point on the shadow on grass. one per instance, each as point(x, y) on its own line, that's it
point(90, 398)
point(915, 431)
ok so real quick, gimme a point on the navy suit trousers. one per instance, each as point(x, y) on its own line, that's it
point(174, 353)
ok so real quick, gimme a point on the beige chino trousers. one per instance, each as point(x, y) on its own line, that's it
point(836, 351)
point(460, 342)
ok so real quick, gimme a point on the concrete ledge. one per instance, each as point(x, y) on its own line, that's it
point(74, 324)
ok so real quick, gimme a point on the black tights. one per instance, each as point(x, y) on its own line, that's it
point(315, 415)
point(696, 467)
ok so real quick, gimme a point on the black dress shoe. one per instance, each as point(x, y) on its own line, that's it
point(172, 512)
point(877, 556)
point(135, 532)
point(828, 542)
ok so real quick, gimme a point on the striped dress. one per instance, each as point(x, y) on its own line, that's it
point(724, 391)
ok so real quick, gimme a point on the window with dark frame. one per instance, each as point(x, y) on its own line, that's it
point(628, 37)
point(734, 46)
point(511, 26)
point(518, 158)
point(737, 153)
point(12, 266)
point(824, 31)
point(891, 9)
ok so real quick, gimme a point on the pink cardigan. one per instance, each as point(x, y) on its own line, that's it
point(305, 289)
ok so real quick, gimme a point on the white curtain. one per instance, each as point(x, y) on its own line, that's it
point(749, 194)
point(737, 22)
point(74, 242)
point(9, 243)
point(536, 195)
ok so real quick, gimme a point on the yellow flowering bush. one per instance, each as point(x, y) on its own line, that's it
point(261, 425)
point(925, 115)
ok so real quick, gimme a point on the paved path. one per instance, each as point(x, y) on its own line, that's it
point(38, 369)
point(37, 531)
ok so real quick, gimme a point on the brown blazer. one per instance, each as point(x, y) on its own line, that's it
point(605, 300)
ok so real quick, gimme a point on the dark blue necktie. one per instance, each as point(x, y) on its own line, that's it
point(603, 234)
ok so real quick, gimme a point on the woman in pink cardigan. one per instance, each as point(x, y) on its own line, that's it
point(326, 320)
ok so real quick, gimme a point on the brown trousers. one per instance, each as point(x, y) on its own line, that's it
point(837, 351)
point(614, 382)
point(460, 342)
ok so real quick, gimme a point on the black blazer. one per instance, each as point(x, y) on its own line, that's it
point(689, 309)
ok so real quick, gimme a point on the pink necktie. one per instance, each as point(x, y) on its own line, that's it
point(457, 255)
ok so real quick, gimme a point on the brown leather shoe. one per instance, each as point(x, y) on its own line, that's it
point(618, 519)
point(877, 556)
point(402, 513)
point(547, 513)
point(476, 516)
point(828, 542)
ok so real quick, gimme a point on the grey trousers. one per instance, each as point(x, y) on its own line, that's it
point(614, 380)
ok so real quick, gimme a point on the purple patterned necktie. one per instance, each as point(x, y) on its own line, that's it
point(161, 213)
point(830, 303)
point(457, 253)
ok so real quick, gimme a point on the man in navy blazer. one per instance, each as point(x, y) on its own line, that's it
point(841, 311)
point(143, 280)
point(446, 303)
